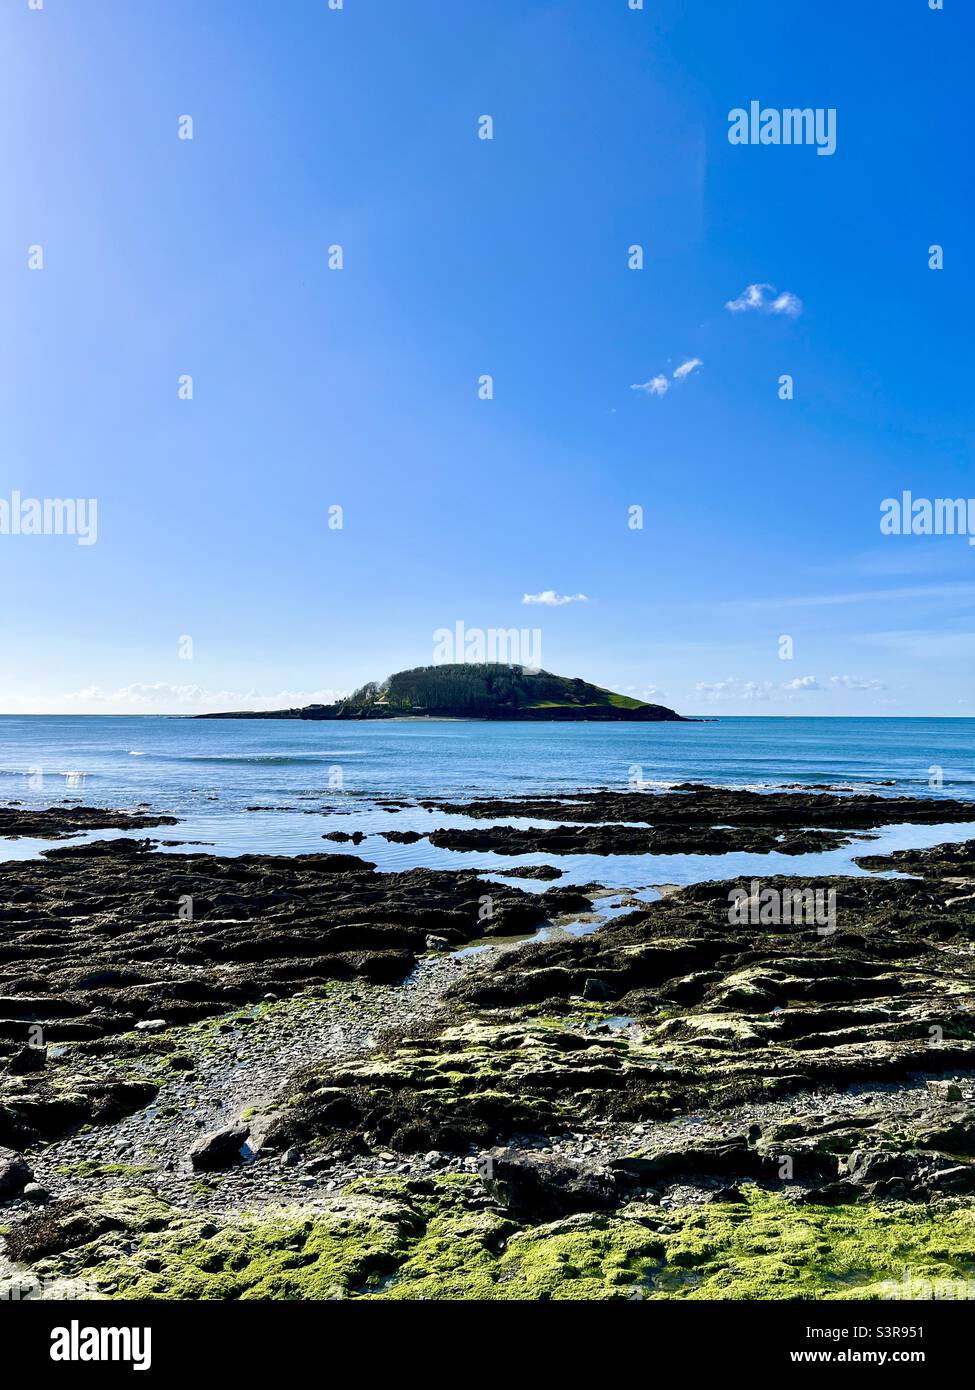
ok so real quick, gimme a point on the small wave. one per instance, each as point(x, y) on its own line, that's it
point(41, 772)
point(134, 753)
point(255, 759)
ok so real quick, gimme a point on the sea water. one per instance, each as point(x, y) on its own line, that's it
point(310, 778)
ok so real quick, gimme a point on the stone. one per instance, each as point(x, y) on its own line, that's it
point(946, 1091)
point(218, 1149)
point(598, 990)
point(28, 1059)
point(542, 1188)
point(15, 1174)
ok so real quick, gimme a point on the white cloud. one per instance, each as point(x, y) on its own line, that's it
point(687, 367)
point(732, 689)
point(659, 385)
point(856, 683)
point(787, 303)
point(656, 386)
point(553, 600)
point(766, 300)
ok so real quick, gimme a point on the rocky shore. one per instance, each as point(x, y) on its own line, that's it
point(292, 1077)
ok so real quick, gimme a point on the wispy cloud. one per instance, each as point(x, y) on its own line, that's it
point(656, 386)
point(934, 591)
point(732, 689)
point(856, 683)
point(685, 368)
point(552, 599)
point(659, 385)
point(765, 299)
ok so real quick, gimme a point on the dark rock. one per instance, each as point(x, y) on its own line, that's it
point(15, 1174)
point(906, 1175)
point(712, 1157)
point(218, 1149)
point(59, 822)
point(539, 1187)
point(597, 990)
point(28, 1059)
point(539, 871)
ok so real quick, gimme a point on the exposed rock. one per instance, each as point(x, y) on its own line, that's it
point(95, 945)
point(945, 1091)
point(27, 1060)
point(630, 839)
point(15, 1174)
point(60, 822)
point(539, 871)
point(705, 806)
point(539, 1187)
point(219, 1149)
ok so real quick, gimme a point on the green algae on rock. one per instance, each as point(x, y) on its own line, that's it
point(439, 1241)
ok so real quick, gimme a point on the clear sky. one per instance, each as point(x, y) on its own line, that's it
point(358, 387)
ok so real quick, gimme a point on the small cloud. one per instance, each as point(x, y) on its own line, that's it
point(803, 683)
point(685, 368)
point(659, 385)
point(766, 300)
point(656, 386)
point(856, 683)
point(732, 689)
point(787, 303)
point(553, 600)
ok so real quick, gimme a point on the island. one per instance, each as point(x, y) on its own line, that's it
point(464, 690)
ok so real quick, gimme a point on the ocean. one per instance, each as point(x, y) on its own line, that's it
point(310, 778)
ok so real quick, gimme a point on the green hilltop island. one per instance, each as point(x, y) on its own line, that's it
point(491, 690)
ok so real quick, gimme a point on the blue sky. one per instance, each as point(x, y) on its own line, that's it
point(358, 387)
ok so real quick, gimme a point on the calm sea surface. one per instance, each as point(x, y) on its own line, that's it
point(318, 777)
